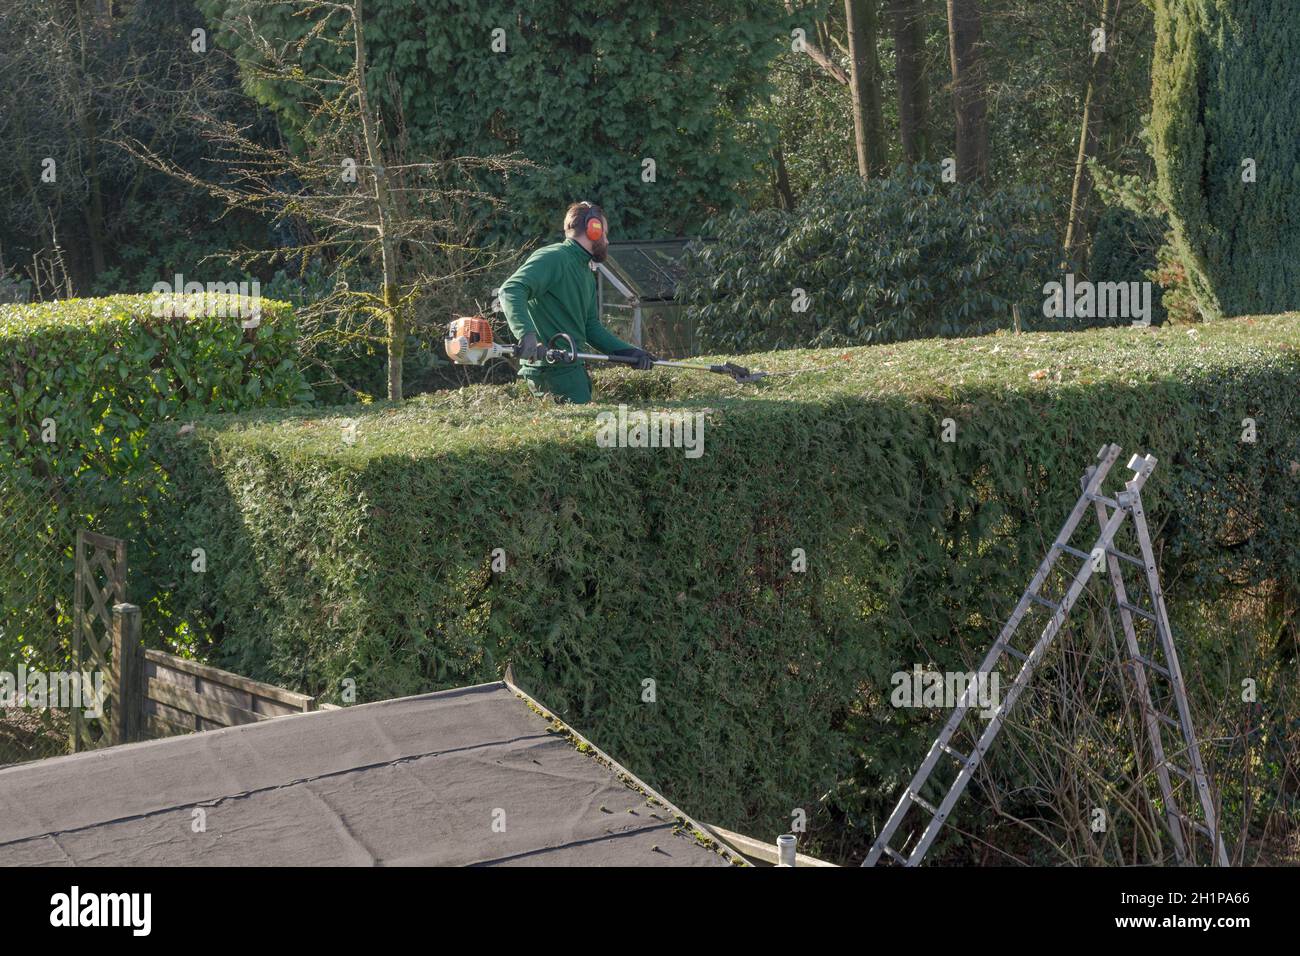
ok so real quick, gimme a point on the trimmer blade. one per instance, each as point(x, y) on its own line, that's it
point(739, 373)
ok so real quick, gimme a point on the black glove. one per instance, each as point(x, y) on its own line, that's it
point(531, 350)
point(644, 360)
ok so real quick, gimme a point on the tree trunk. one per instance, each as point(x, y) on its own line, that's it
point(818, 55)
point(394, 320)
point(94, 212)
point(100, 17)
point(1076, 232)
point(864, 85)
point(913, 90)
point(968, 90)
point(781, 179)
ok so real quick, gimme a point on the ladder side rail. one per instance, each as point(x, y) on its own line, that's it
point(918, 780)
point(1092, 481)
point(1165, 633)
point(1172, 816)
point(1018, 685)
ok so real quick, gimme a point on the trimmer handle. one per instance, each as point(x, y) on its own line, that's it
point(567, 353)
point(561, 355)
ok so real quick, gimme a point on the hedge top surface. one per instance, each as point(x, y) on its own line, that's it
point(22, 318)
point(503, 417)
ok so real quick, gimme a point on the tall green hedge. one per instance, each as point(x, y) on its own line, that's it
point(1225, 90)
point(83, 380)
point(358, 544)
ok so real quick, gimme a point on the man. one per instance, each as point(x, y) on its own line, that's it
point(555, 291)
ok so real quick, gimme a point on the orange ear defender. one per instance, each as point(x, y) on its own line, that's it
point(592, 222)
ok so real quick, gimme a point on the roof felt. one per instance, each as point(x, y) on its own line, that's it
point(470, 776)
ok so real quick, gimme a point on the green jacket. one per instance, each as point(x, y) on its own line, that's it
point(555, 291)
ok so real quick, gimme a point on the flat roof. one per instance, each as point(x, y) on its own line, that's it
point(475, 776)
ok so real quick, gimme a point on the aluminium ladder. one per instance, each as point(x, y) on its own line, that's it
point(1110, 513)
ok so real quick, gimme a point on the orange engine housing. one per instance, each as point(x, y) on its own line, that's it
point(467, 335)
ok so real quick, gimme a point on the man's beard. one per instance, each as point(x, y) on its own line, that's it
point(600, 250)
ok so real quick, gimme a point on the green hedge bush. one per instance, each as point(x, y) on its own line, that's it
point(1225, 105)
point(880, 260)
point(656, 86)
point(93, 375)
point(358, 544)
point(1125, 247)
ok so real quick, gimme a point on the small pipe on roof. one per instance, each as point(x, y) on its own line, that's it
point(785, 849)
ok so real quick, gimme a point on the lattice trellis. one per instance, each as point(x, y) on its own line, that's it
point(101, 583)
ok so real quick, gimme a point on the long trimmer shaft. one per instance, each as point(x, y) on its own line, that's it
point(567, 356)
point(470, 342)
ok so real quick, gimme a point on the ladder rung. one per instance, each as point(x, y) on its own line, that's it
point(1109, 502)
point(894, 854)
point(1039, 599)
point(922, 802)
point(1148, 662)
point(1178, 770)
point(1081, 555)
point(1167, 720)
point(955, 753)
point(1015, 653)
point(1199, 827)
point(1123, 556)
point(1134, 609)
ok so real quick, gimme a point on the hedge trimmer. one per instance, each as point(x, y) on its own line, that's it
point(470, 342)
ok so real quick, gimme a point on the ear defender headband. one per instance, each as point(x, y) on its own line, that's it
point(591, 222)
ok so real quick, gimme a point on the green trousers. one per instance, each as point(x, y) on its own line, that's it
point(569, 383)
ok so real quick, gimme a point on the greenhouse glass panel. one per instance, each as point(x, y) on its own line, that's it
point(638, 296)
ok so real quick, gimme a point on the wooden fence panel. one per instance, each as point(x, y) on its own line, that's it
point(155, 694)
point(183, 696)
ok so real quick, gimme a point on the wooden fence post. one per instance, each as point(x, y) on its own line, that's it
point(127, 676)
